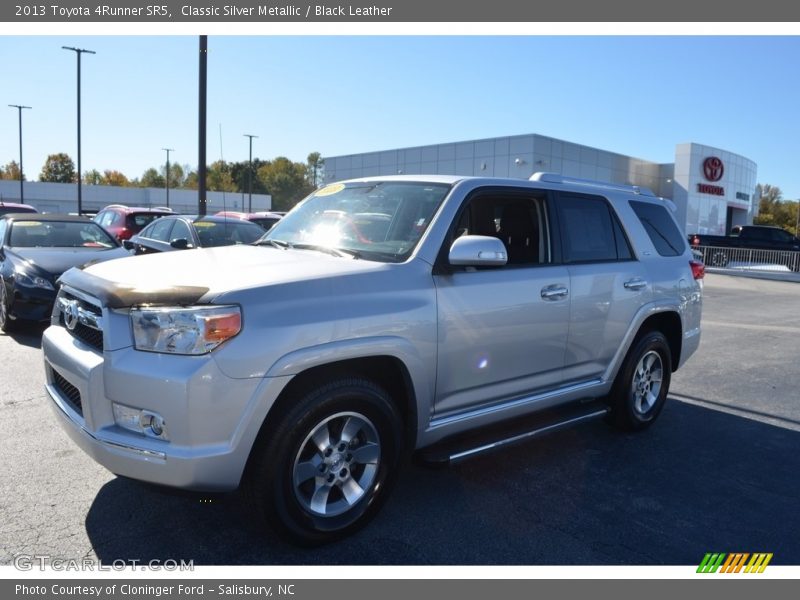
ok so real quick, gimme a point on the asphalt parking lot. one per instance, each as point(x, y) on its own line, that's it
point(718, 472)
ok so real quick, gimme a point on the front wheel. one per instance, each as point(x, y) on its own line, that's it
point(324, 469)
point(6, 324)
point(640, 389)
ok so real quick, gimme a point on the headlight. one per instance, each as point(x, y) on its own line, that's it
point(179, 330)
point(26, 280)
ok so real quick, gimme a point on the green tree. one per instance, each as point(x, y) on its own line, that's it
point(59, 168)
point(10, 171)
point(114, 178)
point(152, 178)
point(92, 177)
point(286, 181)
point(774, 210)
point(315, 165)
point(219, 177)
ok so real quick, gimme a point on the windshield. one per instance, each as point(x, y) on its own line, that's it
point(380, 221)
point(59, 234)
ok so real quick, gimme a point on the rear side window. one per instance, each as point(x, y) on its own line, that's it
point(589, 231)
point(658, 224)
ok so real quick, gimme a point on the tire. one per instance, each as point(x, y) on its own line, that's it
point(6, 323)
point(719, 259)
point(324, 468)
point(640, 388)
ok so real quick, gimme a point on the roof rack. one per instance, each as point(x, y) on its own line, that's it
point(557, 178)
point(114, 206)
point(165, 208)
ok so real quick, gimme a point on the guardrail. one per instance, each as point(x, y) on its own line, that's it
point(749, 259)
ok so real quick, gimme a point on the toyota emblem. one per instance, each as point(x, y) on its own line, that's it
point(70, 311)
point(713, 168)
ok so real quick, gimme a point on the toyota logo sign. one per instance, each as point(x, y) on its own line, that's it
point(713, 168)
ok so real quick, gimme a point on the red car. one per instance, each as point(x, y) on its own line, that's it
point(125, 221)
point(13, 207)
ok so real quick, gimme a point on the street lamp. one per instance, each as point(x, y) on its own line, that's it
point(250, 175)
point(19, 108)
point(168, 150)
point(78, 52)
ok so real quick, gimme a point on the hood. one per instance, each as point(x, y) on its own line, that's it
point(186, 276)
point(55, 261)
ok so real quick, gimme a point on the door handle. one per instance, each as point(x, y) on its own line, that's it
point(554, 292)
point(635, 284)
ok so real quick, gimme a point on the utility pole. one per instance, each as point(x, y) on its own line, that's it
point(166, 179)
point(250, 175)
point(201, 126)
point(19, 108)
point(78, 52)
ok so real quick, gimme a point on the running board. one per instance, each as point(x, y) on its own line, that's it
point(453, 450)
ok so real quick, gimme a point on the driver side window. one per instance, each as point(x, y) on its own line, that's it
point(517, 220)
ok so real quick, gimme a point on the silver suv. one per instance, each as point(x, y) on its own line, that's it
point(444, 316)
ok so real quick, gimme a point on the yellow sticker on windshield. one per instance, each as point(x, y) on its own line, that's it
point(330, 190)
point(27, 223)
point(204, 224)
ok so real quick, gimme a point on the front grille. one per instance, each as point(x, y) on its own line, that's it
point(69, 392)
point(87, 334)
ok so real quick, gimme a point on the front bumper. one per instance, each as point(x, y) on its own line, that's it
point(32, 304)
point(212, 420)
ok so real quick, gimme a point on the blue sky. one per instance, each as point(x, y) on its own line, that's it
point(347, 94)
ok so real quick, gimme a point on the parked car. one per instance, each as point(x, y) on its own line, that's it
point(784, 247)
point(123, 222)
point(478, 313)
point(34, 251)
point(184, 232)
point(12, 207)
point(265, 219)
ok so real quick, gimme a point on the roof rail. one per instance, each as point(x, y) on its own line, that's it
point(166, 208)
point(114, 206)
point(557, 178)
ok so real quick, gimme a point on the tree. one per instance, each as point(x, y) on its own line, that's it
point(92, 177)
point(151, 178)
point(773, 210)
point(59, 168)
point(315, 164)
point(114, 178)
point(10, 171)
point(219, 178)
point(286, 181)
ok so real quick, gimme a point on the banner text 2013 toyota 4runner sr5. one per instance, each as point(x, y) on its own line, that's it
point(431, 314)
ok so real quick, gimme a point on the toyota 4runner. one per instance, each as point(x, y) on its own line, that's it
point(439, 315)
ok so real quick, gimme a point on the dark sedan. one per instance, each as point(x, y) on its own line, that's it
point(183, 232)
point(34, 251)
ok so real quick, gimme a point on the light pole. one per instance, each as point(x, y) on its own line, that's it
point(78, 52)
point(19, 108)
point(168, 150)
point(250, 175)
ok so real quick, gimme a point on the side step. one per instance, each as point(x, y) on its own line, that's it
point(455, 449)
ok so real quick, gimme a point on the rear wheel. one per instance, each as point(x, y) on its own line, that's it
point(640, 389)
point(326, 466)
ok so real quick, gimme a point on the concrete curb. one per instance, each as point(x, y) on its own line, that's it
point(773, 276)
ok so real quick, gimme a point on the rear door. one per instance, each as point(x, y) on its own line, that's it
point(502, 330)
point(607, 285)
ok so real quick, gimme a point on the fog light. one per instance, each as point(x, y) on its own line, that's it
point(144, 422)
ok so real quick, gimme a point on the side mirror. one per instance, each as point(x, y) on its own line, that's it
point(127, 244)
point(180, 244)
point(478, 251)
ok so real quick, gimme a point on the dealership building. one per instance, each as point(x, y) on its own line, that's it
point(712, 188)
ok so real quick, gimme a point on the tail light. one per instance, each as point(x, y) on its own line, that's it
point(698, 269)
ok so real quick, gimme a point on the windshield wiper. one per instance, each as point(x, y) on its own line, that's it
point(340, 252)
point(274, 243)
